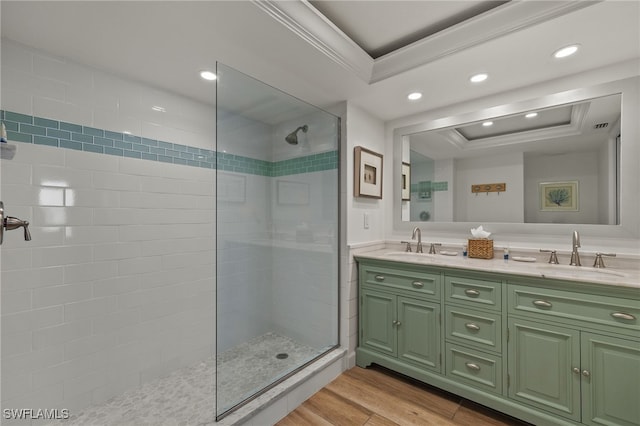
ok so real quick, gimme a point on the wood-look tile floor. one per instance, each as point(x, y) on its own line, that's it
point(378, 397)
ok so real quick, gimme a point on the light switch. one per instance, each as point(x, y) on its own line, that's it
point(366, 221)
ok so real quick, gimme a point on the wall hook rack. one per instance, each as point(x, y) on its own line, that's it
point(488, 187)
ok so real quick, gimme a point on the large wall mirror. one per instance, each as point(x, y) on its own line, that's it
point(550, 165)
point(567, 158)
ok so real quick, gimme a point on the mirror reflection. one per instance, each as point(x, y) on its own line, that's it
point(553, 165)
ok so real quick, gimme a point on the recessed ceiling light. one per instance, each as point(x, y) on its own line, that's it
point(158, 108)
point(531, 115)
point(414, 96)
point(487, 123)
point(208, 75)
point(566, 51)
point(477, 78)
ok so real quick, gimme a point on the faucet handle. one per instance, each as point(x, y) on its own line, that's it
point(599, 262)
point(432, 248)
point(553, 258)
point(408, 243)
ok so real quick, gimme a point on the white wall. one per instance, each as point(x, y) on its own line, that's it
point(117, 286)
point(444, 207)
point(507, 206)
point(366, 131)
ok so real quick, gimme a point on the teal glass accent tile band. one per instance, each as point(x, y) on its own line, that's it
point(307, 164)
point(44, 131)
point(440, 186)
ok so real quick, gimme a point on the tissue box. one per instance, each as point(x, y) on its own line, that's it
point(481, 248)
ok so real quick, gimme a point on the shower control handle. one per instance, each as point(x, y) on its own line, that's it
point(9, 223)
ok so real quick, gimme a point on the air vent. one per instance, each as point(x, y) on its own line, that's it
point(600, 125)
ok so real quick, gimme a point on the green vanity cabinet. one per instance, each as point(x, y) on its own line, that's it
point(473, 331)
point(589, 361)
point(611, 380)
point(547, 351)
point(542, 358)
point(378, 313)
point(398, 318)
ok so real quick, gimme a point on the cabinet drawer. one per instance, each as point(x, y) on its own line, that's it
point(424, 284)
point(481, 329)
point(479, 293)
point(480, 370)
point(551, 303)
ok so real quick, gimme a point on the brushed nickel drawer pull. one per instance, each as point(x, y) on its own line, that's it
point(380, 277)
point(417, 284)
point(622, 315)
point(472, 293)
point(472, 366)
point(472, 326)
point(542, 303)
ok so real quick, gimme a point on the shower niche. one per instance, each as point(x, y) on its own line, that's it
point(277, 192)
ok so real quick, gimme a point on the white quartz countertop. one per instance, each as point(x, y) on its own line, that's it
point(607, 276)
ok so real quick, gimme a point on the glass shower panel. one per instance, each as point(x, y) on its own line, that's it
point(277, 236)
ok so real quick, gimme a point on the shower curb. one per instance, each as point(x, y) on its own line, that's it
point(258, 411)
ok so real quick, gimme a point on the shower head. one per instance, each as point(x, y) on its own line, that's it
point(292, 138)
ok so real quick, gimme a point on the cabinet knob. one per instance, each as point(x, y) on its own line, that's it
point(398, 323)
point(417, 284)
point(622, 315)
point(472, 366)
point(472, 293)
point(542, 303)
point(472, 326)
point(586, 373)
point(576, 370)
point(380, 277)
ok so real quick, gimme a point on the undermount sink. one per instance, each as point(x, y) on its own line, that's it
point(584, 271)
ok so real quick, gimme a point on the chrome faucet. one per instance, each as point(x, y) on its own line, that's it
point(575, 256)
point(416, 230)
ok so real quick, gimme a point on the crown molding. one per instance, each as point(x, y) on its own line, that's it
point(312, 26)
point(308, 23)
point(574, 128)
point(501, 21)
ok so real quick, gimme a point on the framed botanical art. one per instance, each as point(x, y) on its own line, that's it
point(559, 196)
point(367, 173)
point(406, 181)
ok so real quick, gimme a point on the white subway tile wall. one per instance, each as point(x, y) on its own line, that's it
point(117, 286)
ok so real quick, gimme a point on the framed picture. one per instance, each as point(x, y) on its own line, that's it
point(406, 181)
point(559, 196)
point(367, 173)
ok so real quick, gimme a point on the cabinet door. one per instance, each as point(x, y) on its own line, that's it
point(377, 322)
point(419, 332)
point(542, 359)
point(610, 381)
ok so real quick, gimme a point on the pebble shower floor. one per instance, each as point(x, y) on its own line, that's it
point(186, 397)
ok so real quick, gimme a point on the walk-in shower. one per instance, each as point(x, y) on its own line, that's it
point(139, 222)
point(277, 236)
